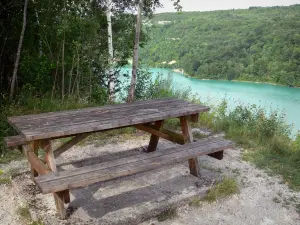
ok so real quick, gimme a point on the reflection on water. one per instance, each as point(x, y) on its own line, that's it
point(270, 97)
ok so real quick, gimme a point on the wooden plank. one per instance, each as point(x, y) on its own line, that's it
point(49, 156)
point(154, 138)
point(14, 141)
point(163, 133)
point(87, 169)
point(26, 149)
point(69, 144)
point(91, 174)
point(61, 119)
point(90, 109)
point(66, 194)
point(83, 121)
point(59, 197)
point(101, 115)
point(187, 132)
point(193, 118)
point(33, 147)
point(37, 164)
point(130, 120)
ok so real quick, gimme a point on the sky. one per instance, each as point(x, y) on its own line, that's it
point(209, 5)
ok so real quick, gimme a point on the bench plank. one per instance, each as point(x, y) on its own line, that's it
point(14, 141)
point(84, 176)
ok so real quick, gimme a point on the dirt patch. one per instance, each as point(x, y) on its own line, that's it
point(262, 199)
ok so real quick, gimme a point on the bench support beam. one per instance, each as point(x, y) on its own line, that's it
point(37, 164)
point(30, 150)
point(187, 132)
point(163, 133)
point(154, 138)
point(59, 197)
point(70, 144)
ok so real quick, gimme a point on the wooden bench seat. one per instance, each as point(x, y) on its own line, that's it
point(84, 176)
point(14, 141)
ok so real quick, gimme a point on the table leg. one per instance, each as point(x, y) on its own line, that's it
point(34, 146)
point(61, 197)
point(154, 139)
point(187, 132)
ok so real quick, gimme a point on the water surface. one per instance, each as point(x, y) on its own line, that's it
point(270, 97)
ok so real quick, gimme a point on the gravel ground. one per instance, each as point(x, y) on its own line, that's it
point(262, 199)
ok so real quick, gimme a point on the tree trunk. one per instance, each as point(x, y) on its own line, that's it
point(55, 77)
point(70, 76)
point(63, 70)
point(14, 77)
point(135, 52)
point(111, 78)
point(40, 40)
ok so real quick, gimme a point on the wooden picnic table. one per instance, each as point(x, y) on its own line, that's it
point(37, 131)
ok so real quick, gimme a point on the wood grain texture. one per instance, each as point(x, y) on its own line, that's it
point(187, 132)
point(163, 133)
point(193, 118)
point(84, 176)
point(49, 156)
point(154, 138)
point(33, 147)
point(58, 124)
point(59, 198)
point(37, 164)
point(14, 141)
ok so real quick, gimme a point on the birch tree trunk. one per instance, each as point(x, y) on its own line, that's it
point(40, 41)
point(63, 69)
point(14, 77)
point(111, 79)
point(135, 52)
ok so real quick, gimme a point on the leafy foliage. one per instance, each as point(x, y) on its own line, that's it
point(255, 44)
point(65, 49)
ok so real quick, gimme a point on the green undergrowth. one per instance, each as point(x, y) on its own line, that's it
point(4, 178)
point(196, 202)
point(24, 213)
point(227, 187)
point(265, 138)
point(224, 188)
point(168, 214)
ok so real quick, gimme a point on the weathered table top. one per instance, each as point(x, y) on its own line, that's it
point(64, 123)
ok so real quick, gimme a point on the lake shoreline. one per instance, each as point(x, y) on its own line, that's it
point(243, 81)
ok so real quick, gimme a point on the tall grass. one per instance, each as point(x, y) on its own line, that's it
point(264, 136)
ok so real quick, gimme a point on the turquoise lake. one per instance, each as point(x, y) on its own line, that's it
point(270, 97)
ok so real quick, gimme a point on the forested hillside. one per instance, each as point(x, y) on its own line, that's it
point(255, 44)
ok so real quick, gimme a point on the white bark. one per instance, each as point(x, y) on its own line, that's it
point(135, 52)
point(14, 77)
point(111, 79)
point(40, 41)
